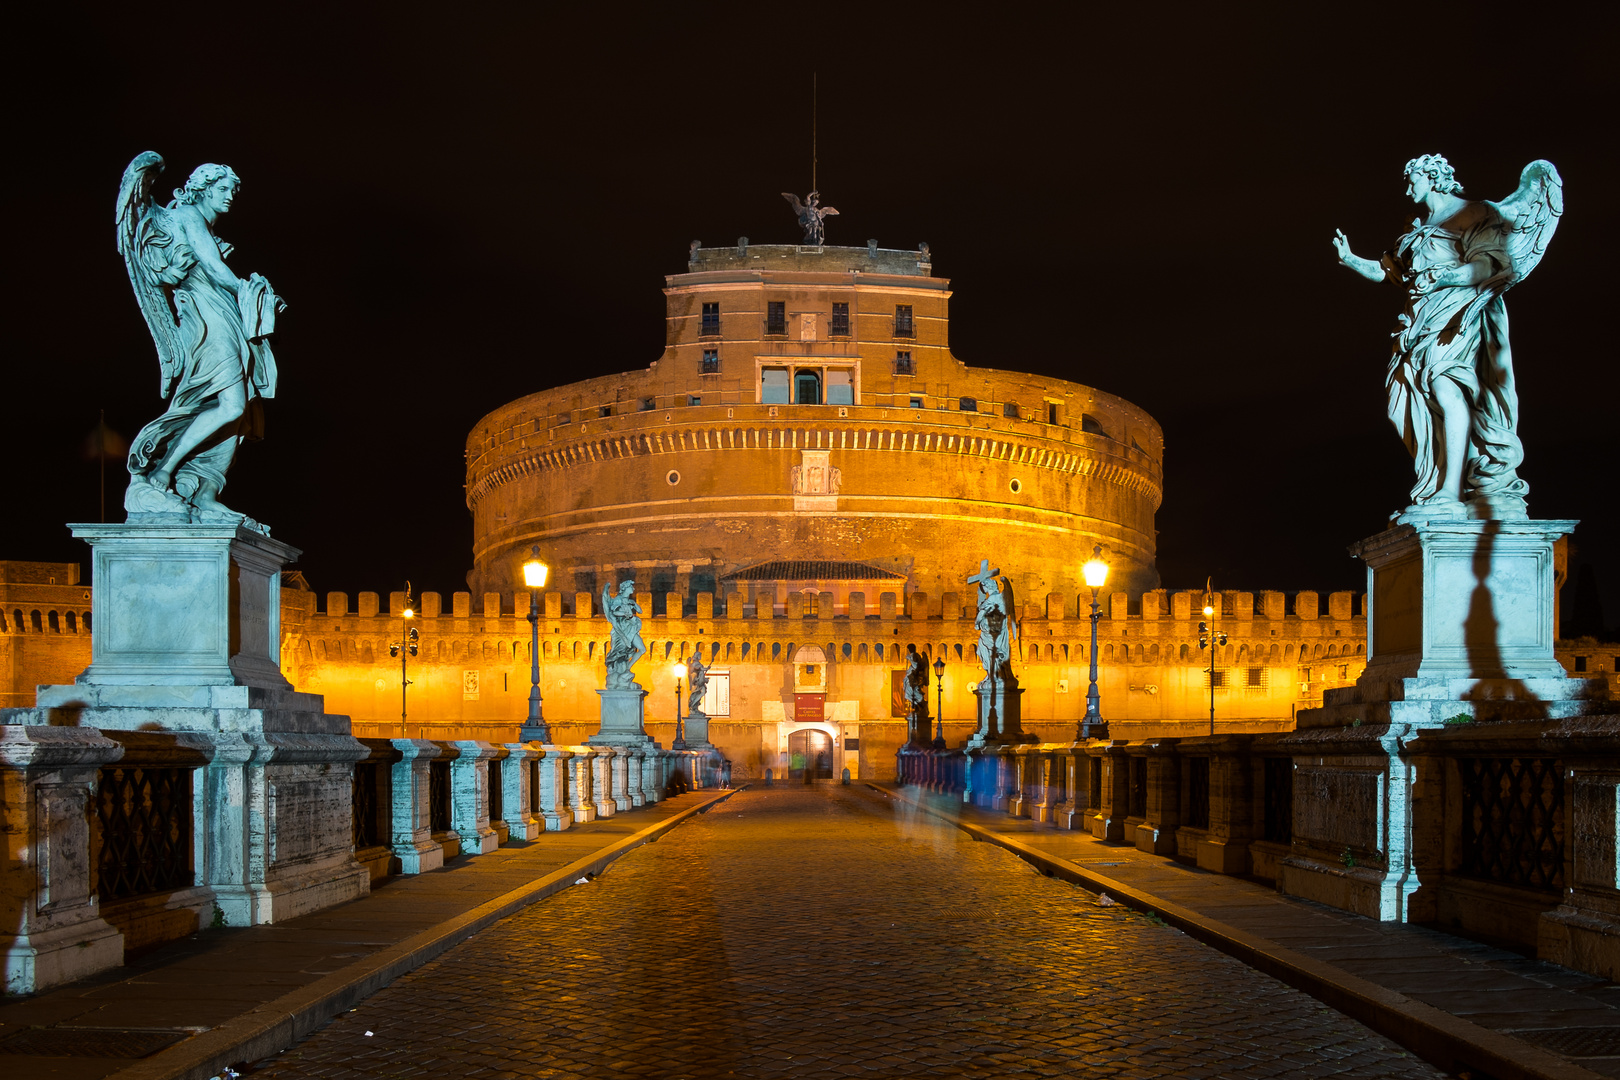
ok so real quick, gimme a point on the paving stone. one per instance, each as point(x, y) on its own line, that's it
point(802, 933)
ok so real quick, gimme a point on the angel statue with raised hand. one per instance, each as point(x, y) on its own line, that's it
point(1450, 382)
point(211, 329)
point(998, 630)
point(811, 215)
point(625, 646)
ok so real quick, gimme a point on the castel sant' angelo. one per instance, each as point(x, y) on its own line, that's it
point(799, 486)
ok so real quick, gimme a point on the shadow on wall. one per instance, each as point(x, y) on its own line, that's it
point(1482, 637)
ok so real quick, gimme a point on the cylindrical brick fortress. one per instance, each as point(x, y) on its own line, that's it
point(807, 408)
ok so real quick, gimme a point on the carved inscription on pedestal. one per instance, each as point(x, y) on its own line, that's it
point(1337, 808)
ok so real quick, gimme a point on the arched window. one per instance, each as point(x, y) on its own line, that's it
point(807, 388)
point(34, 619)
point(72, 623)
point(17, 620)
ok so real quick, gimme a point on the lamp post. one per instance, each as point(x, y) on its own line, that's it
point(680, 733)
point(1208, 638)
point(939, 720)
point(1093, 726)
point(534, 576)
point(405, 648)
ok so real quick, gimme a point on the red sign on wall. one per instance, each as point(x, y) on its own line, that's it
point(809, 708)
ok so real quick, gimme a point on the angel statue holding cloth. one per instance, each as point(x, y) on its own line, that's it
point(211, 329)
point(1450, 380)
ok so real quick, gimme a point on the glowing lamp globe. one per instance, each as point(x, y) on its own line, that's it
point(534, 574)
point(1095, 571)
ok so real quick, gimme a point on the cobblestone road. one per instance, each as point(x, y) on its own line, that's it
point(810, 932)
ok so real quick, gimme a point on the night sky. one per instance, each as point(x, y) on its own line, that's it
point(462, 207)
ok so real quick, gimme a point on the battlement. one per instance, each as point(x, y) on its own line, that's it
point(870, 259)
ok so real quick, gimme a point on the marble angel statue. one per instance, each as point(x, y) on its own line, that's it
point(211, 329)
point(625, 646)
point(994, 619)
point(1450, 382)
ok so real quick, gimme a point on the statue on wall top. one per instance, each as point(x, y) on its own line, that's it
point(1450, 382)
point(997, 629)
point(699, 676)
point(811, 215)
point(625, 646)
point(211, 329)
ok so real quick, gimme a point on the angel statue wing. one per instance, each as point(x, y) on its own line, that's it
point(1531, 215)
point(798, 206)
point(154, 259)
point(1010, 603)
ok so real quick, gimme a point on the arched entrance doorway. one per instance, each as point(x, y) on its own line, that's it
point(810, 756)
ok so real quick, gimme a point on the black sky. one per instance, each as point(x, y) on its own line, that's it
point(463, 206)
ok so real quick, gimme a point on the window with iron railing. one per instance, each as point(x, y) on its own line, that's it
point(775, 317)
point(711, 362)
point(840, 321)
point(903, 326)
point(902, 363)
point(711, 319)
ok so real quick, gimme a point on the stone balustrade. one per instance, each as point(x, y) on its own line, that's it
point(75, 795)
point(1502, 830)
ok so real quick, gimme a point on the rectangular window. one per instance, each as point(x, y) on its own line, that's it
point(902, 321)
point(717, 695)
point(605, 411)
point(1580, 663)
point(1051, 413)
point(1257, 676)
point(648, 404)
point(968, 404)
point(1216, 679)
point(775, 317)
point(840, 388)
point(1010, 411)
point(711, 362)
point(694, 399)
point(711, 319)
point(916, 403)
point(840, 320)
point(774, 386)
point(902, 363)
point(564, 418)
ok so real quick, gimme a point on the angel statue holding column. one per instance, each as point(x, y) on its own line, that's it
point(1450, 380)
point(212, 331)
point(625, 646)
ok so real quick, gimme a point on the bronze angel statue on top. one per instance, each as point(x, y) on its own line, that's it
point(811, 215)
point(1450, 381)
point(211, 329)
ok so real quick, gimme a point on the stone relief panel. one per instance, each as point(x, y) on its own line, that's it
point(1337, 807)
point(1597, 830)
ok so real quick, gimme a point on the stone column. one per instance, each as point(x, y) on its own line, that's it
point(555, 811)
point(580, 799)
point(634, 759)
point(1157, 834)
point(1232, 810)
point(412, 827)
point(653, 775)
point(621, 779)
point(469, 797)
point(1109, 821)
point(523, 820)
point(1020, 767)
point(51, 929)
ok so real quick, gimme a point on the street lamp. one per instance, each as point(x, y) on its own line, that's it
point(1093, 726)
point(534, 576)
point(680, 734)
point(939, 721)
point(1208, 638)
point(405, 648)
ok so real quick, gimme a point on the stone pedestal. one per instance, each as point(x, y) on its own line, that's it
point(581, 805)
point(602, 781)
point(185, 673)
point(523, 821)
point(1460, 623)
point(469, 797)
point(1006, 725)
point(185, 605)
point(411, 821)
point(622, 714)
